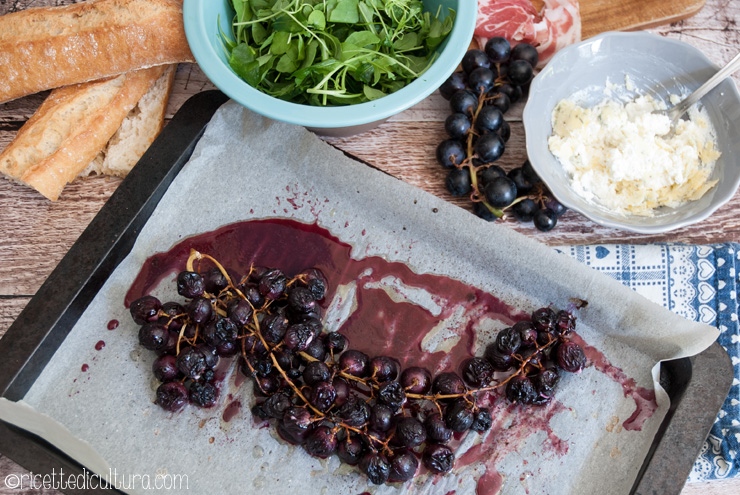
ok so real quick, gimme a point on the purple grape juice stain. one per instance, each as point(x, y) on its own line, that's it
point(113, 324)
point(84, 367)
point(100, 344)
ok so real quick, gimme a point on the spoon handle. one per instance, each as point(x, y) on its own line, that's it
point(676, 112)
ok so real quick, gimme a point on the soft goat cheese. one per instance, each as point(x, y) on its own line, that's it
point(623, 156)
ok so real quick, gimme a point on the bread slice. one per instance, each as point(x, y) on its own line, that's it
point(137, 132)
point(70, 128)
point(44, 48)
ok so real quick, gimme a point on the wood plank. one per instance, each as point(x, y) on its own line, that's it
point(599, 16)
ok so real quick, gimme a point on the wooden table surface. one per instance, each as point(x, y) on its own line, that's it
point(37, 233)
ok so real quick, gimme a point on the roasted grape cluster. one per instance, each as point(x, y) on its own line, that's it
point(324, 395)
point(491, 81)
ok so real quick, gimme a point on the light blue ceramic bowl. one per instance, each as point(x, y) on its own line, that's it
point(202, 19)
point(657, 66)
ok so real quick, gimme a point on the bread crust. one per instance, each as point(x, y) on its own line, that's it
point(48, 47)
point(70, 128)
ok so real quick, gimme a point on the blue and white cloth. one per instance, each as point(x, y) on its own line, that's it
point(699, 283)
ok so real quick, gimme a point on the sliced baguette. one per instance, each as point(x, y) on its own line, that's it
point(48, 47)
point(137, 132)
point(70, 128)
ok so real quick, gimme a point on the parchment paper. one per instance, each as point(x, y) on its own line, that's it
point(248, 167)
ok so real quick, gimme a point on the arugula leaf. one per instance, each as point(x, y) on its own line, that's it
point(244, 63)
point(346, 12)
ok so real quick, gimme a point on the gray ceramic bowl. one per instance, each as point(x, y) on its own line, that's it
point(657, 66)
point(206, 20)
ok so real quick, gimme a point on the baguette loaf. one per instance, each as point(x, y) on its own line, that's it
point(137, 132)
point(70, 128)
point(48, 47)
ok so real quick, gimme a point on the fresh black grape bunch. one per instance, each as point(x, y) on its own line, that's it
point(490, 82)
point(320, 393)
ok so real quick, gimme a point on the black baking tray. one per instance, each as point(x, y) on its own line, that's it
point(697, 386)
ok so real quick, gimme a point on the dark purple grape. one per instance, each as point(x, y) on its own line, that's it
point(381, 417)
point(501, 191)
point(525, 51)
point(355, 363)
point(483, 212)
point(253, 345)
point(175, 316)
point(438, 458)
point(403, 467)
point(272, 284)
point(315, 281)
point(530, 173)
point(240, 311)
point(190, 284)
point(145, 309)
point(450, 153)
point(384, 368)
point(527, 333)
point(321, 442)
point(392, 395)
point(252, 293)
point(545, 382)
point(259, 412)
point(335, 342)
point(505, 131)
point(286, 359)
point(457, 125)
point(570, 356)
point(276, 405)
point(556, 206)
point(489, 173)
point(316, 349)
point(437, 430)
point(489, 148)
point(301, 300)
point(342, 388)
point(316, 372)
point(350, 450)
point(523, 186)
point(473, 59)
point(375, 467)
point(261, 366)
point(543, 319)
point(514, 93)
point(465, 102)
point(459, 415)
point(545, 220)
point(322, 396)
point(498, 49)
point(410, 432)
point(416, 380)
point(355, 411)
point(210, 353)
point(227, 349)
point(273, 327)
point(499, 360)
point(154, 336)
point(508, 340)
point(200, 310)
point(499, 100)
point(191, 362)
point(220, 330)
point(458, 182)
point(520, 389)
point(203, 394)
point(481, 80)
point(454, 83)
point(525, 209)
point(298, 336)
point(520, 72)
point(565, 323)
point(490, 119)
point(267, 385)
point(294, 425)
point(448, 383)
point(172, 396)
point(214, 281)
point(165, 368)
point(477, 372)
point(482, 420)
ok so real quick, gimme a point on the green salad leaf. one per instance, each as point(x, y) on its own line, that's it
point(333, 52)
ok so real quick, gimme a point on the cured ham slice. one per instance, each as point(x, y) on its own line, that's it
point(558, 24)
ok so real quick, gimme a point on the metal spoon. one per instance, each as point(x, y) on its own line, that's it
point(675, 112)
